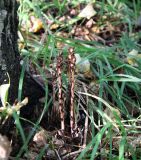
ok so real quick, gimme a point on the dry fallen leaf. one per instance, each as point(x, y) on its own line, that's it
point(131, 57)
point(54, 26)
point(37, 24)
point(82, 65)
point(87, 12)
point(40, 138)
point(95, 29)
point(89, 23)
point(5, 148)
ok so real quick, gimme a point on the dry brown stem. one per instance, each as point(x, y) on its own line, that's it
point(71, 70)
point(60, 92)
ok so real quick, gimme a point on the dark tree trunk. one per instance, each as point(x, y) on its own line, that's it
point(9, 56)
point(10, 63)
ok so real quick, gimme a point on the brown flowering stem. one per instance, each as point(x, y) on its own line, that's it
point(60, 92)
point(71, 70)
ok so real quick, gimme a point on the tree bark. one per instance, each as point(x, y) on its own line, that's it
point(9, 56)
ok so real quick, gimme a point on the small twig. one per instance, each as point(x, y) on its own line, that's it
point(85, 132)
point(72, 154)
point(56, 152)
point(86, 120)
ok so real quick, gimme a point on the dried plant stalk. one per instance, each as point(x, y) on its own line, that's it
point(60, 92)
point(85, 132)
point(71, 70)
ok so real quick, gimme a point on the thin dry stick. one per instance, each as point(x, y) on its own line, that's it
point(59, 158)
point(86, 120)
point(60, 93)
point(75, 153)
point(85, 132)
point(71, 61)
